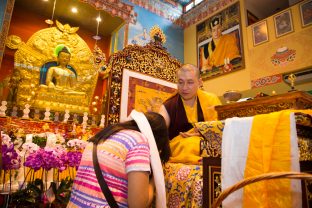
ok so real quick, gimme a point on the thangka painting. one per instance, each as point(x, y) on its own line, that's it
point(143, 93)
point(220, 43)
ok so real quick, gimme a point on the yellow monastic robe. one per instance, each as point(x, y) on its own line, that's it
point(186, 150)
point(225, 48)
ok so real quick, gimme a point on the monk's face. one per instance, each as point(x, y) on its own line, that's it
point(63, 58)
point(216, 31)
point(188, 84)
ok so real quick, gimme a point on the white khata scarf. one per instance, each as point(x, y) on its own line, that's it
point(158, 175)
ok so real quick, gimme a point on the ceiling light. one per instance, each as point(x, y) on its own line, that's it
point(74, 10)
point(50, 21)
point(98, 19)
point(45, 0)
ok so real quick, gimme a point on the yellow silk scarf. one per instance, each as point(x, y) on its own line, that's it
point(207, 103)
point(269, 151)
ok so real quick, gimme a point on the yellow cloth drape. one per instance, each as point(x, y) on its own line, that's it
point(207, 102)
point(269, 151)
point(186, 150)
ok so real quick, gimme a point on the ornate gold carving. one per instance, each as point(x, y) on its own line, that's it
point(256, 109)
point(151, 59)
point(30, 58)
point(305, 149)
point(217, 180)
point(13, 41)
point(66, 28)
point(210, 145)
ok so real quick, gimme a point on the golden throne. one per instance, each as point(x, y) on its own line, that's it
point(31, 63)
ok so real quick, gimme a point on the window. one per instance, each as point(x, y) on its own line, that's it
point(192, 4)
point(189, 6)
point(197, 2)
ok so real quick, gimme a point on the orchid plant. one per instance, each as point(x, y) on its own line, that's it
point(36, 157)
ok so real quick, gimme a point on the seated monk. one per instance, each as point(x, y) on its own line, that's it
point(62, 77)
point(190, 105)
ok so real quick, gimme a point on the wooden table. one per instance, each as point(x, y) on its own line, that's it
point(262, 105)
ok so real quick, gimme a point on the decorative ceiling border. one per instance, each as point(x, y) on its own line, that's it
point(113, 7)
point(202, 11)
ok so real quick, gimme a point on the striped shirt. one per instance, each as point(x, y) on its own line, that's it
point(121, 153)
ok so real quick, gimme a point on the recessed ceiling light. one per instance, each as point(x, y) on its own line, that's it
point(45, 0)
point(74, 10)
point(98, 19)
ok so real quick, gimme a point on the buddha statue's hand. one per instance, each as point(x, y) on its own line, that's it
point(43, 86)
point(51, 85)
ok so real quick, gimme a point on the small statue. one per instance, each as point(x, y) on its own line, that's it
point(66, 116)
point(3, 108)
point(26, 112)
point(14, 112)
point(102, 120)
point(75, 118)
point(56, 116)
point(74, 129)
point(13, 86)
point(85, 118)
point(84, 122)
point(47, 115)
point(292, 79)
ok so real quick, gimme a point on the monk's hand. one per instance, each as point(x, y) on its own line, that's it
point(189, 134)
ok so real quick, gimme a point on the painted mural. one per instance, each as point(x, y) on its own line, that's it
point(141, 21)
point(282, 56)
point(167, 9)
point(2, 10)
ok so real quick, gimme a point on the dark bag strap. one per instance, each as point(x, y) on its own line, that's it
point(107, 193)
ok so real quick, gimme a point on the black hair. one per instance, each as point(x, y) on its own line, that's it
point(159, 128)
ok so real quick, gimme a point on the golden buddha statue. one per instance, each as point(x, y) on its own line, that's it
point(61, 77)
point(51, 74)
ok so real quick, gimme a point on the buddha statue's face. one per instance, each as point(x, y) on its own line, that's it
point(63, 58)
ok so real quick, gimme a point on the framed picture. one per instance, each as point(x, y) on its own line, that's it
point(306, 13)
point(283, 23)
point(143, 93)
point(227, 56)
point(260, 33)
